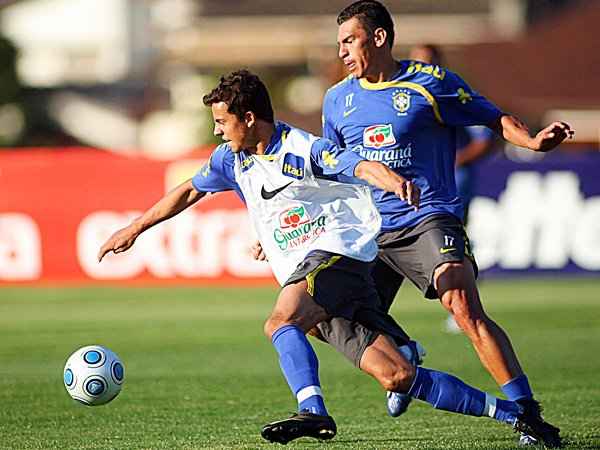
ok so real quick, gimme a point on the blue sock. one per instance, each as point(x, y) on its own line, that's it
point(517, 388)
point(300, 368)
point(446, 392)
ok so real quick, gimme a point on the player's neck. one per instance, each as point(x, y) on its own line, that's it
point(264, 133)
point(382, 70)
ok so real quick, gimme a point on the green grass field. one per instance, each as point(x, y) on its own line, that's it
point(200, 374)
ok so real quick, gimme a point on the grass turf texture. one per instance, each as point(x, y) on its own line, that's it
point(200, 374)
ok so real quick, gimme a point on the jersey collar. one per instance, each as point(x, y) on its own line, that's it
point(366, 84)
point(278, 138)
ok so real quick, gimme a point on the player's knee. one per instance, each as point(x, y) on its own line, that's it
point(398, 378)
point(268, 328)
point(272, 324)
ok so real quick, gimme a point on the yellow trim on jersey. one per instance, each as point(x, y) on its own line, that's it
point(284, 134)
point(267, 157)
point(310, 278)
point(365, 84)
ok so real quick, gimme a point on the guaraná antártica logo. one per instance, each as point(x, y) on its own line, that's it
point(296, 228)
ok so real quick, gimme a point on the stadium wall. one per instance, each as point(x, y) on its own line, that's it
point(57, 206)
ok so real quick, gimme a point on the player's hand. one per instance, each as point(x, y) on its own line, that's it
point(551, 136)
point(120, 241)
point(258, 252)
point(409, 192)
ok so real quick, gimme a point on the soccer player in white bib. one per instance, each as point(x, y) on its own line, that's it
point(317, 223)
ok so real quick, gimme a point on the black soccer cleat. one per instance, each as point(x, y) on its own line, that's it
point(530, 422)
point(300, 425)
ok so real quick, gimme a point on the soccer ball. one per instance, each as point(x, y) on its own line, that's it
point(93, 375)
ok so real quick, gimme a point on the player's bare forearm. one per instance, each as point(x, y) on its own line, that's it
point(180, 198)
point(512, 130)
point(517, 133)
point(177, 200)
point(381, 176)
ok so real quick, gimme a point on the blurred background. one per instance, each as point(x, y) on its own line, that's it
point(101, 112)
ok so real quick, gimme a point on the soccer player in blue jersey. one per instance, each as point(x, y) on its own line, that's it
point(405, 114)
point(277, 168)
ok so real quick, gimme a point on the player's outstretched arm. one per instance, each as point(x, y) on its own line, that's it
point(517, 133)
point(381, 176)
point(180, 198)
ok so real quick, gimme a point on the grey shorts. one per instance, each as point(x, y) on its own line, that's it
point(415, 253)
point(345, 289)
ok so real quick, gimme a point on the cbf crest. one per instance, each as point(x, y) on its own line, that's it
point(401, 101)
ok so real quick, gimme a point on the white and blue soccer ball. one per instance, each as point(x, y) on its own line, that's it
point(93, 375)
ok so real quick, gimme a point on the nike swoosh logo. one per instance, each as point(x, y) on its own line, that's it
point(447, 250)
point(268, 195)
point(350, 111)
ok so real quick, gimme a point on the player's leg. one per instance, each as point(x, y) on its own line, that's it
point(293, 315)
point(442, 243)
point(441, 390)
point(351, 338)
point(459, 295)
point(449, 393)
point(464, 189)
point(438, 260)
point(322, 286)
point(318, 289)
point(387, 283)
point(455, 283)
point(452, 271)
point(346, 290)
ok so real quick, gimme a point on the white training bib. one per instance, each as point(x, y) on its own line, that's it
point(294, 212)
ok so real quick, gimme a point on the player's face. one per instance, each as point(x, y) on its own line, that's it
point(229, 127)
point(356, 48)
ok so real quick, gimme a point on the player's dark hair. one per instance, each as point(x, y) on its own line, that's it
point(242, 91)
point(372, 15)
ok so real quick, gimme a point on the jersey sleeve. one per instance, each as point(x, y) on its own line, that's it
point(480, 133)
point(330, 160)
point(217, 174)
point(459, 105)
point(328, 119)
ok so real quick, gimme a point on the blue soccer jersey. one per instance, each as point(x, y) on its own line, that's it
point(217, 174)
point(409, 123)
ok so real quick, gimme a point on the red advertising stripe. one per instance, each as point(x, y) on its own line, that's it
point(58, 205)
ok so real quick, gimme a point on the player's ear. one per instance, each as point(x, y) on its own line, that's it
point(380, 37)
point(250, 119)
